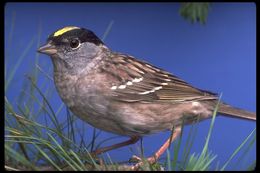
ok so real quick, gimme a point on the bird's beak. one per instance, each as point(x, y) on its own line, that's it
point(48, 49)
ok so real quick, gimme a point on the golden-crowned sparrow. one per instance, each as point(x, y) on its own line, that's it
point(118, 93)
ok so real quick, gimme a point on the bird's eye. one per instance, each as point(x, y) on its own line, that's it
point(74, 43)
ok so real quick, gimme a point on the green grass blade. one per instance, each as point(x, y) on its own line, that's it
point(47, 157)
point(168, 159)
point(18, 157)
point(237, 150)
point(108, 29)
point(17, 64)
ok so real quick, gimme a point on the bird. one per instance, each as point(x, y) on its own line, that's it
point(121, 94)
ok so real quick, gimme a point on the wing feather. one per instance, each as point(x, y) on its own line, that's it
point(141, 81)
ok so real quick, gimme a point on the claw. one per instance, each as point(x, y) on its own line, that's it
point(135, 159)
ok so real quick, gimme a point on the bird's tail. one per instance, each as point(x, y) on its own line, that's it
point(231, 111)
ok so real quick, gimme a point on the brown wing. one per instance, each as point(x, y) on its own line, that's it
point(139, 81)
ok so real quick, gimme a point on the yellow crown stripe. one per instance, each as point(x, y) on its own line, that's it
point(65, 29)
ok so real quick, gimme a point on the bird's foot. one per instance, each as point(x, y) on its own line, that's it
point(141, 162)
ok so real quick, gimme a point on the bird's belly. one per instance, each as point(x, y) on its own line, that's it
point(139, 119)
point(147, 118)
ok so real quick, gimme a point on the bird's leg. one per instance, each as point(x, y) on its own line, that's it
point(156, 156)
point(132, 140)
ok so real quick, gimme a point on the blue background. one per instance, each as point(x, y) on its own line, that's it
point(219, 56)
